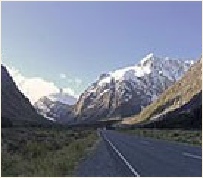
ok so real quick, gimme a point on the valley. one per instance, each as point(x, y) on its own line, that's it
point(146, 124)
point(101, 89)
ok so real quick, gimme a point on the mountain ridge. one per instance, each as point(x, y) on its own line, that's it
point(54, 110)
point(126, 91)
point(16, 108)
point(181, 99)
point(62, 97)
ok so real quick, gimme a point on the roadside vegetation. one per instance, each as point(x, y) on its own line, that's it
point(192, 137)
point(43, 151)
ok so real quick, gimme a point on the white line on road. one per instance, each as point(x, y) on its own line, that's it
point(122, 157)
point(191, 155)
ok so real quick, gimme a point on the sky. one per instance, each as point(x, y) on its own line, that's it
point(52, 45)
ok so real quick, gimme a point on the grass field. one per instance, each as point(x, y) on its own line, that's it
point(43, 152)
point(184, 136)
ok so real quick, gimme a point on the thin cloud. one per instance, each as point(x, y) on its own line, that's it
point(62, 76)
point(70, 80)
point(78, 81)
point(35, 87)
point(70, 92)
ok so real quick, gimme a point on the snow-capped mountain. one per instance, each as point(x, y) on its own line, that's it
point(62, 97)
point(54, 110)
point(56, 106)
point(127, 91)
point(180, 106)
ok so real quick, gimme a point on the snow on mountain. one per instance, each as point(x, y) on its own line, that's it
point(125, 91)
point(54, 110)
point(179, 106)
point(56, 106)
point(62, 97)
point(149, 64)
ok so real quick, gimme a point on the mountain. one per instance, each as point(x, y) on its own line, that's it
point(127, 91)
point(15, 107)
point(57, 107)
point(62, 97)
point(179, 106)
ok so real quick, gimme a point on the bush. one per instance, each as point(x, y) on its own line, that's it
point(184, 136)
point(43, 151)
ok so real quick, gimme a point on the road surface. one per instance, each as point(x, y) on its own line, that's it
point(121, 154)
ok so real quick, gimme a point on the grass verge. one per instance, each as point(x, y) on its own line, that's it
point(191, 137)
point(43, 152)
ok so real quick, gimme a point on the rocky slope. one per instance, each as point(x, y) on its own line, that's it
point(15, 107)
point(180, 105)
point(127, 91)
point(62, 97)
point(55, 108)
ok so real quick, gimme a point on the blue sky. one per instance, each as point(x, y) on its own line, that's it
point(85, 39)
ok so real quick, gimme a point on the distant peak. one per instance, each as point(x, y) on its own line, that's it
point(103, 75)
point(147, 58)
point(150, 55)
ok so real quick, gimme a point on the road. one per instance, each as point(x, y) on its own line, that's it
point(121, 154)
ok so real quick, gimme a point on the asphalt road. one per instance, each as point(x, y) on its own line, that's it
point(128, 155)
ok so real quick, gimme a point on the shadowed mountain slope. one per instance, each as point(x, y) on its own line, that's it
point(179, 106)
point(15, 107)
